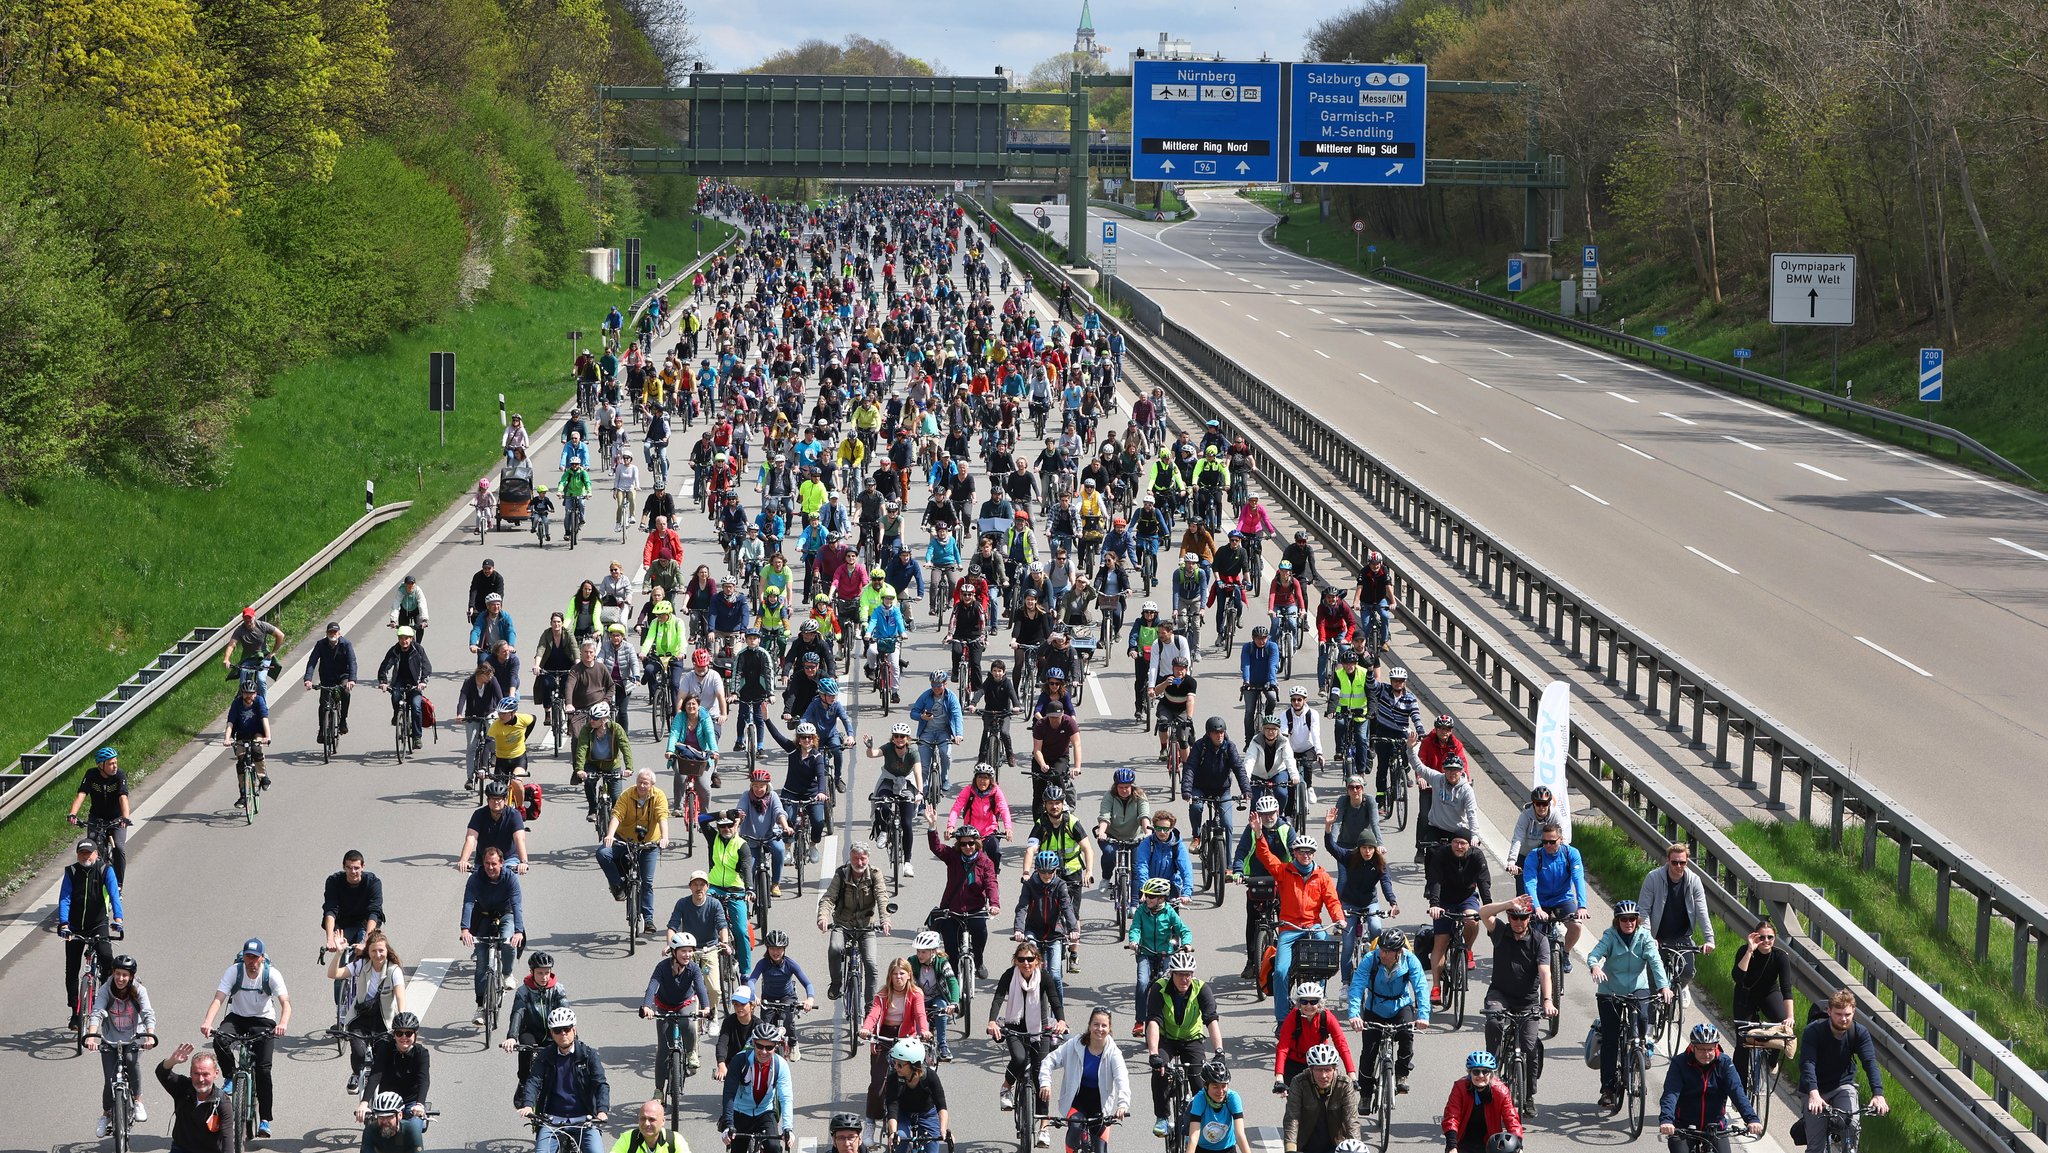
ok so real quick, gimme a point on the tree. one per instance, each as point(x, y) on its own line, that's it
point(857, 55)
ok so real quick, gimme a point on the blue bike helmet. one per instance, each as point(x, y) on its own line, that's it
point(1126, 777)
point(829, 685)
point(105, 754)
point(1481, 1059)
point(1046, 861)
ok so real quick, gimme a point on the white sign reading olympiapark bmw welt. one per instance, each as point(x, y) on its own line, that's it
point(1813, 288)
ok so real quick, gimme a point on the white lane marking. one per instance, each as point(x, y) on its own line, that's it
point(1819, 471)
point(1588, 495)
point(1182, 279)
point(1619, 396)
point(1546, 412)
point(424, 982)
point(1319, 352)
point(1249, 316)
point(1509, 355)
point(1570, 377)
point(1742, 442)
point(1260, 287)
point(1637, 451)
point(1389, 343)
point(1336, 320)
point(1901, 568)
point(1496, 444)
point(1369, 378)
point(1747, 501)
point(1678, 418)
point(1916, 508)
point(1312, 308)
point(1430, 359)
point(1895, 656)
point(1752, 407)
point(2021, 548)
point(1283, 334)
point(1095, 691)
point(1479, 382)
point(1711, 561)
point(1449, 333)
point(1293, 301)
point(1409, 319)
point(1425, 408)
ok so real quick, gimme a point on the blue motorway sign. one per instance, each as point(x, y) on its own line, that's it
point(1109, 232)
point(1743, 354)
point(1358, 124)
point(1198, 121)
point(1514, 274)
point(1930, 374)
point(1660, 330)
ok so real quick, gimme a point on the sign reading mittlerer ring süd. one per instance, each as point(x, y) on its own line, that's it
point(1813, 288)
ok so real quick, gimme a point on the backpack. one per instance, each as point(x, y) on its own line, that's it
point(262, 984)
point(530, 800)
point(426, 711)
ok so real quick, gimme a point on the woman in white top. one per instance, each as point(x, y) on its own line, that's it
point(376, 985)
point(1093, 1083)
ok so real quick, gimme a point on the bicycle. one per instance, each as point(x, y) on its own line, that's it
point(1457, 979)
point(888, 828)
point(996, 752)
point(121, 1118)
point(1226, 622)
point(85, 995)
point(1025, 672)
point(623, 513)
point(572, 519)
point(1179, 1092)
point(558, 714)
point(331, 697)
point(1841, 1137)
point(491, 980)
point(1759, 1041)
point(761, 879)
point(569, 1132)
point(1634, 1058)
point(344, 998)
point(673, 1057)
point(1284, 636)
point(1187, 621)
point(1215, 864)
point(952, 929)
point(1180, 737)
point(686, 776)
point(854, 981)
point(482, 524)
point(1515, 1072)
point(1259, 700)
point(1260, 896)
point(631, 881)
point(540, 528)
point(1394, 750)
point(248, 776)
point(243, 1108)
point(661, 704)
point(1025, 1095)
point(482, 759)
point(1376, 1097)
point(605, 796)
point(884, 679)
point(1119, 875)
point(1096, 1128)
point(918, 1139)
point(1669, 1023)
point(1557, 928)
point(403, 719)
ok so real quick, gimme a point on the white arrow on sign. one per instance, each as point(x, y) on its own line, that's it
point(1395, 168)
point(1320, 168)
point(1243, 168)
point(1166, 166)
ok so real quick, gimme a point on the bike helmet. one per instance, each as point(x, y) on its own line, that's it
point(1540, 795)
point(1284, 566)
point(983, 769)
point(776, 939)
point(600, 712)
point(1373, 559)
point(1157, 887)
point(1181, 962)
point(562, 1018)
point(1481, 1059)
point(1055, 793)
point(846, 1123)
point(680, 940)
point(767, 1033)
point(1055, 676)
point(493, 789)
point(663, 609)
point(1393, 940)
point(1297, 692)
point(809, 627)
point(105, 754)
point(1259, 632)
point(1704, 1033)
point(1504, 1143)
point(1216, 725)
point(1353, 1147)
point(829, 687)
point(124, 961)
point(928, 940)
point(1216, 1073)
point(1267, 804)
point(909, 1050)
point(760, 776)
point(1125, 776)
point(509, 705)
point(405, 1023)
point(1149, 607)
point(1309, 991)
point(388, 1104)
point(1236, 534)
point(899, 729)
point(1626, 909)
point(540, 961)
point(1046, 861)
point(1324, 1054)
point(1272, 719)
point(807, 729)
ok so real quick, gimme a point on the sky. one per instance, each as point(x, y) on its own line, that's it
point(971, 39)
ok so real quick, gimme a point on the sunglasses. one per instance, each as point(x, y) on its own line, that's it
point(564, 1029)
point(1763, 939)
point(1026, 960)
point(1552, 844)
point(405, 1033)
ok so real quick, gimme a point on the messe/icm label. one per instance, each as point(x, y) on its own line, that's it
point(1358, 124)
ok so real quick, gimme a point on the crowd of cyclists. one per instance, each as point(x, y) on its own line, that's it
point(843, 362)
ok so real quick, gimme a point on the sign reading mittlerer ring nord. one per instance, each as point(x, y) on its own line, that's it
point(1813, 288)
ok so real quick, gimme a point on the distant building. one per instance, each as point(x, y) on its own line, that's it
point(1084, 37)
point(1171, 49)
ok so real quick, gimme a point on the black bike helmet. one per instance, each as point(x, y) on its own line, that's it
point(846, 1123)
point(405, 1023)
point(776, 939)
point(124, 961)
point(1504, 1143)
point(1216, 725)
point(1216, 1073)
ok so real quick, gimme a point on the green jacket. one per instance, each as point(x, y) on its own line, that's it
point(942, 978)
point(664, 636)
point(622, 750)
point(576, 482)
point(1155, 933)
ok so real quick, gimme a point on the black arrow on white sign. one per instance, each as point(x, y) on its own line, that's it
point(1812, 303)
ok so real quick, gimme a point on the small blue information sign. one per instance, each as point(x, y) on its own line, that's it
point(1109, 232)
point(1742, 354)
point(1660, 330)
point(1514, 274)
point(1930, 374)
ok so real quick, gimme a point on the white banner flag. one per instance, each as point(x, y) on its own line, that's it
point(1553, 737)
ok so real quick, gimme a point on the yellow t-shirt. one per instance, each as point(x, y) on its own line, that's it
point(632, 813)
point(510, 739)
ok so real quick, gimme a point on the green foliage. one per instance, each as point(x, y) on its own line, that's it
point(857, 55)
point(54, 328)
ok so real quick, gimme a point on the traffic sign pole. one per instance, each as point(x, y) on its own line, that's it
point(1357, 238)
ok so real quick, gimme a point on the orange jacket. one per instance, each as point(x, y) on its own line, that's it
point(1302, 899)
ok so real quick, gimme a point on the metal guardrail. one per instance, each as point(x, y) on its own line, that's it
point(672, 283)
point(64, 749)
point(1828, 951)
point(1741, 379)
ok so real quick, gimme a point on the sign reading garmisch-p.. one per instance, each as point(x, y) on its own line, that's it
point(1200, 121)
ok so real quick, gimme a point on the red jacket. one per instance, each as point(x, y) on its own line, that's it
point(664, 545)
point(1297, 1036)
point(1432, 752)
point(1500, 1110)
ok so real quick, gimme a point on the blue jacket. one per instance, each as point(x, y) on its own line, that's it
point(1632, 966)
point(730, 616)
point(1250, 667)
point(509, 634)
point(903, 575)
point(1549, 878)
point(1169, 859)
point(885, 623)
point(1386, 992)
point(1697, 1098)
point(945, 722)
point(947, 556)
point(745, 1100)
point(834, 726)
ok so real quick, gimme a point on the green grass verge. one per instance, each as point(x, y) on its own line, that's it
point(1616, 865)
point(1991, 389)
point(112, 573)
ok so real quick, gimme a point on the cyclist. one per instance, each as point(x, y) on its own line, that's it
point(1456, 881)
point(259, 1009)
point(1522, 959)
point(403, 673)
point(527, 1023)
point(732, 861)
point(1287, 600)
point(508, 732)
point(121, 1013)
point(1353, 821)
point(496, 824)
point(489, 898)
point(651, 1134)
point(1307, 895)
point(1698, 1089)
point(932, 972)
point(1479, 1109)
point(1763, 989)
point(1376, 593)
point(852, 900)
point(900, 777)
point(1232, 563)
point(972, 891)
point(1157, 932)
point(491, 623)
point(1455, 806)
point(1180, 1025)
point(248, 653)
point(567, 1080)
point(1364, 881)
point(332, 664)
point(88, 911)
point(834, 724)
point(886, 628)
point(1625, 961)
point(1124, 818)
point(378, 983)
point(1164, 856)
point(774, 979)
point(1554, 878)
point(1057, 830)
point(1307, 1026)
point(1335, 623)
point(576, 481)
point(599, 746)
point(1093, 1081)
point(399, 1067)
point(911, 1099)
point(554, 658)
point(1395, 728)
point(1537, 813)
point(1055, 742)
point(940, 726)
point(409, 607)
point(483, 582)
point(1674, 903)
point(1212, 765)
point(1046, 911)
point(661, 649)
point(103, 793)
point(248, 720)
point(1350, 708)
point(1026, 1003)
point(639, 826)
point(761, 1104)
point(1190, 586)
point(1322, 1108)
point(676, 987)
point(983, 807)
point(1269, 761)
point(1216, 1114)
point(1829, 1052)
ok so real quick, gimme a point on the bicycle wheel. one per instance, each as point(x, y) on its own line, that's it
point(801, 852)
point(494, 993)
point(1385, 1112)
point(1214, 872)
point(1119, 895)
point(1518, 1075)
point(1673, 1021)
point(1027, 1112)
point(83, 999)
point(850, 1002)
point(1638, 1100)
point(677, 1072)
point(761, 886)
point(251, 789)
point(1455, 978)
point(1763, 1079)
point(1399, 802)
point(401, 739)
point(632, 903)
point(119, 1119)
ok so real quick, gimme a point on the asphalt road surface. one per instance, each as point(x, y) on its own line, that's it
point(1881, 603)
point(201, 881)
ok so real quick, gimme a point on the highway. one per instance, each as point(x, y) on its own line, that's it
point(200, 881)
point(1885, 605)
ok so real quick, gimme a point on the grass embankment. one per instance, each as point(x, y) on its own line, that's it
point(1990, 385)
point(107, 574)
point(1617, 867)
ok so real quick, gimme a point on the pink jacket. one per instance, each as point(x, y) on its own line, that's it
point(1254, 520)
point(989, 817)
point(914, 1022)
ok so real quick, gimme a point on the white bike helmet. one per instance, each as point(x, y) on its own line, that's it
point(680, 940)
point(1322, 1054)
point(562, 1018)
point(1306, 991)
point(928, 940)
